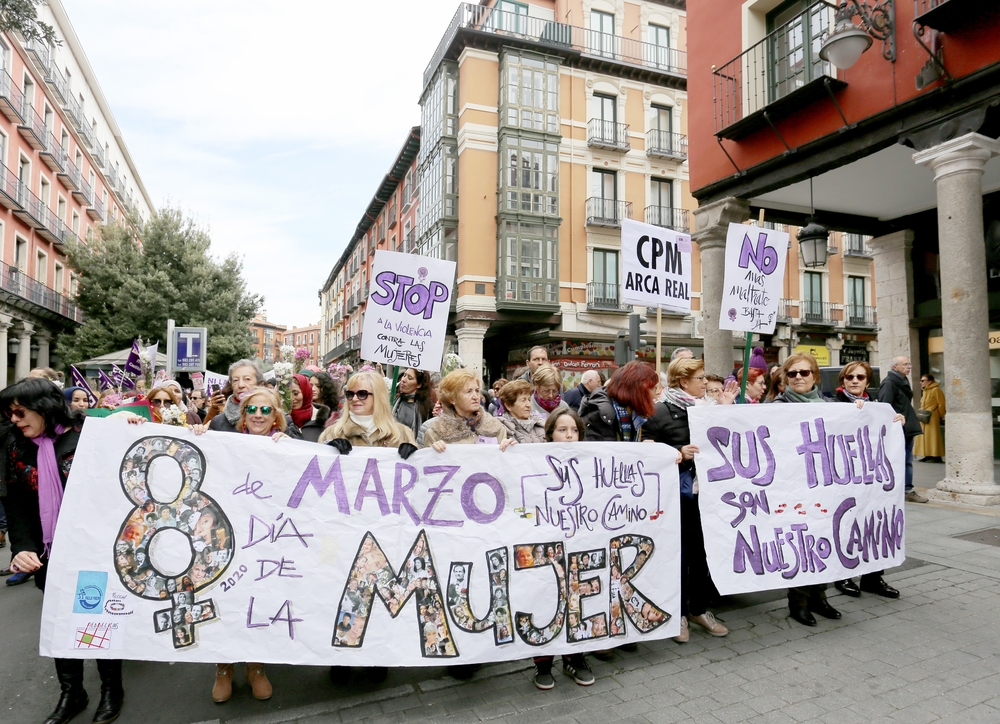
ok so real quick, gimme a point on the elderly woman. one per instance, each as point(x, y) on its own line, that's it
point(244, 377)
point(686, 387)
point(368, 421)
point(547, 398)
point(309, 417)
point(260, 413)
point(756, 385)
point(463, 419)
point(618, 410)
point(800, 376)
point(34, 465)
point(521, 425)
point(930, 445)
point(855, 378)
point(413, 401)
point(326, 391)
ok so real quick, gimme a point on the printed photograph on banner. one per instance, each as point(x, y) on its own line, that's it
point(755, 275)
point(232, 547)
point(799, 494)
point(656, 267)
point(407, 313)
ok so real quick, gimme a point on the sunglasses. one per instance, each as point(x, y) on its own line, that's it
point(360, 394)
point(264, 409)
point(158, 403)
point(15, 414)
point(792, 374)
point(861, 378)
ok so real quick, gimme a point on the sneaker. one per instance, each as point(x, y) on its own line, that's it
point(543, 675)
point(576, 665)
point(18, 578)
point(914, 497)
point(685, 634)
point(707, 621)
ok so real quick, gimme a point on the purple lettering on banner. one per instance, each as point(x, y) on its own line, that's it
point(469, 498)
point(320, 483)
point(890, 475)
point(399, 491)
point(845, 560)
point(764, 257)
point(371, 475)
point(791, 572)
point(719, 437)
point(810, 448)
point(287, 618)
point(865, 455)
point(768, 477)
point(835, 442)
point(250, 623)
point(752, 467)
point(403, 282)
point(852, 455)
point(449, 472)
point(384, 281)
point(748, 552)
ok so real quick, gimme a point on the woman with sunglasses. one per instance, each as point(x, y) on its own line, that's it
point(369, 421)
point(800, 374)
point(35, 461)
point(854, 380)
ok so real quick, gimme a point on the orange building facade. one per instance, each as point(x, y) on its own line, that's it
point(266, 338)
point(305, 338)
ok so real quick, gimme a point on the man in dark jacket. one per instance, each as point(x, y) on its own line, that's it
point(896, 390)
point(590, 381)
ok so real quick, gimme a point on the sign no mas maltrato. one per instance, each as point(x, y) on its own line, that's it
point(407, 313)
point(755, 272)
point(656, 266)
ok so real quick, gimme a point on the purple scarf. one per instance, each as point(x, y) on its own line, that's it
point(50, 489)
point(547, 405)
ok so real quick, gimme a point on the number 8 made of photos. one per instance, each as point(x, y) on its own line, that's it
point(192, 513)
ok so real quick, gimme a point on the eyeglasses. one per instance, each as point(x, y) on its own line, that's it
point(158, 402)
point(15, 414)
point(264, 409)
point(699, 377)
point(860, 378)
point(360, 394)
point(792, 374)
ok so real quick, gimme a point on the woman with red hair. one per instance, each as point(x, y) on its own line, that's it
point(617, 411)
point(756, 386)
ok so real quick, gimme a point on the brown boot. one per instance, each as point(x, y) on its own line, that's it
point(223, 689)
point(258, 681)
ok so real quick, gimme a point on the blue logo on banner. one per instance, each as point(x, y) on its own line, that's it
point(90, 588)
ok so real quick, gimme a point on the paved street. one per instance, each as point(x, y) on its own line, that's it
point(930, 656)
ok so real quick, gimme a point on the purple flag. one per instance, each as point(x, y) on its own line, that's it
point(121, 379)
point(81, 381)
point(106, 382)
point(132, 364)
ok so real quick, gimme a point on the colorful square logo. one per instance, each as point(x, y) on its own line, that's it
point(90, 589)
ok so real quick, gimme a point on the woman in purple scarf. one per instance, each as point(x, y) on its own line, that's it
point(35, 460)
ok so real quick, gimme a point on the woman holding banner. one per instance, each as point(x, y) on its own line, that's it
point(34, 464)
point(368, 421)
point(686, 387)
point(800, 375)
point(463, 419)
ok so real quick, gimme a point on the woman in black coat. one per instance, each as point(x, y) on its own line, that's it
point(36, 459)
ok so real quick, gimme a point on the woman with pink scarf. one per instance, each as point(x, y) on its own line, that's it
point(547, 397)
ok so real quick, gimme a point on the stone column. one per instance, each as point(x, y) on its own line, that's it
point(22, 365)
point(894, 298)
point(958, 172)
point(873, 355)
point(470, 334)
point(834, 345)
point(43, 338)
point(5, 322)
point(712, 223)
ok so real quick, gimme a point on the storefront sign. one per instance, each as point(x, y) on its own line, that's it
point(797, 494)
point(820, 352)
point(755, 273)
point(220, 547)
point(656, 266)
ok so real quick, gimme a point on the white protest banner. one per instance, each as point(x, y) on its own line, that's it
point(407, 313)
point(755, 275)
point(286, 552)
point(215, 382)
point(656, 266)
point(792, 495)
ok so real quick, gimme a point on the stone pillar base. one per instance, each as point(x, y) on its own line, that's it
point(954, 491)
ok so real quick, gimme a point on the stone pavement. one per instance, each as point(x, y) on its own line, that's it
point(929, 656)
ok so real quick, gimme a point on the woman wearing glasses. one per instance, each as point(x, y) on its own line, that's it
point(854, 381)
point(800, 375)
point(35, 462)
point(369, 421)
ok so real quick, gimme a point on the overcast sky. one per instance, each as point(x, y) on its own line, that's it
point(270, 124)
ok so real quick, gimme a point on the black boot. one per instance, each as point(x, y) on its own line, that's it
point(72, 697)
point(112, 692)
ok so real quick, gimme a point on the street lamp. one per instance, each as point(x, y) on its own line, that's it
point(814, 241)
point(844, 45)
point(13, 345)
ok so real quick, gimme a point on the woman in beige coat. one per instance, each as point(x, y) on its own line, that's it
point(930, 445)
point(368, 421)
point(462, 419)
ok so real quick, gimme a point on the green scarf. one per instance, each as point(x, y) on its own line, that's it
point(811, 396)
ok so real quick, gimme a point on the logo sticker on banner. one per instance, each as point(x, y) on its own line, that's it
point(290, 553)
point(656, 267)
point(755, 274)
point(90, 588)
point(407, 313)
point(797, 494)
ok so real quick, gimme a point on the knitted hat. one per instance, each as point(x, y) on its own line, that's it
point(757, 360)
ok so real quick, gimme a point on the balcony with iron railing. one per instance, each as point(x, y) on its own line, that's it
point(31, 210)
point(39, 53)
point(608, 134)
point(856, 245)
point(603, 297)
point(11, 98)
point(57, 83)
point(344, 348)
point(547, 35)
point(96, 210)
point(20, 290)
point(859, 315)
point(664, 144)
point(87, 136)
point(785, 311)
point(70, 175)
point(946, 15)
point(668, 217)
point(607, 212)
point(74, 112)
point(32, 128)
point(111, 176)
point(98, 155)
point(780, 74)
point(84, 193)
point(53, 154)
point(821, 314)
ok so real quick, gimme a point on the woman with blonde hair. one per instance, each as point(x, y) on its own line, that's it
point(368, 421)
point(462, 419)
point(547, 398)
